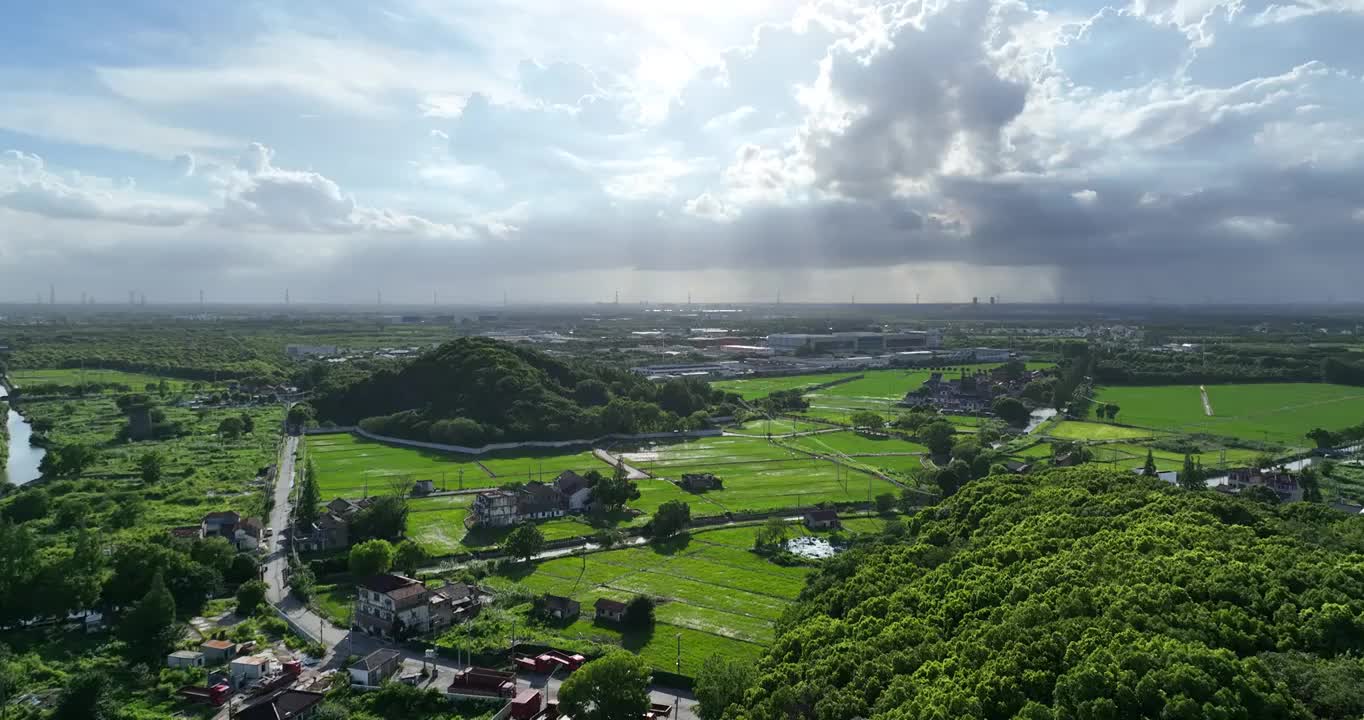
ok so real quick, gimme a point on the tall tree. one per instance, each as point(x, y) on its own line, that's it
point(1149, 469)
point(88, 696)
point(1191, 477)
point(250, 596)
point(721, 682)
point(149, 628)
point(248, 423)
point(372, 557)
point(150, 466)
point(524, 542)
point(309, 497)
point(231, 428)
point(671, 518)
point(615, 687)
point(1011, 411)
point(409, 556)
point(937, 435)
point(611, 493)
point(867, 420)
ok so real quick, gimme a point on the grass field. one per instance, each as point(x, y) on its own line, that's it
point(757, 475)
point(777, 426)
point(348, 466)
point(1075, 430)
point(76, 376)
point(1274, 412)
point(721, 598)
point(527, 465)
point(754, 388)
point(852, 443)
point(1134, 456)
point(880, 391)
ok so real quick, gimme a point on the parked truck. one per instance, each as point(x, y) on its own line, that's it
point(214, 695)
point(483, 682)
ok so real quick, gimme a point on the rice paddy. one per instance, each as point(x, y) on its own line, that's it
point(1270, 412)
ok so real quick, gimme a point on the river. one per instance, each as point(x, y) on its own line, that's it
point(22, 465)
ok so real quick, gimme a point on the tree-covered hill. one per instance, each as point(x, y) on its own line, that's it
point(1082, 594)
point(475, 390)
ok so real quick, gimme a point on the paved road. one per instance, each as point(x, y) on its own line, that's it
point(341, 642)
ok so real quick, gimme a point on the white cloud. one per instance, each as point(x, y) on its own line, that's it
point(439, 135)
point(1085, 197)
point(707, 206)
point(101, 122)
point(27, 185)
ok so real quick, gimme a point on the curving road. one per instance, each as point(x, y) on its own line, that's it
point(342, 643)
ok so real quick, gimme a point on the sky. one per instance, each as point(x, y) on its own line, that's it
point(453, 151)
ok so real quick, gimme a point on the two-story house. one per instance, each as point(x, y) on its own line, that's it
point(392, 606)
point(495, 508)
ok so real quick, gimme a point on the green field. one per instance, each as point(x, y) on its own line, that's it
point(852, 443)
point(543, 465)
point(757, 475)
point(1075, 430)
point(76, 376)
point(777, 426)
point(754, 388)
point(1134, 456)
point(710, 589)
point(349, 466)
point(1274, 412)
point(881, 391)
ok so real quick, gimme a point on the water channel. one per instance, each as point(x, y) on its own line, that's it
point(22, 464)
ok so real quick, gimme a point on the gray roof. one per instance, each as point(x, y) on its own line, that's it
point(376, 659)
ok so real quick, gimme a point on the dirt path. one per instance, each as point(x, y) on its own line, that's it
point(1207, 404)
point(613, 461)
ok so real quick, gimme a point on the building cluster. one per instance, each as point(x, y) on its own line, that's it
point(397, 607)
point(331, 530)
point(244, 533)
point(1283, 483)
point(569, 493)
point(753, 364)
point(970, 393)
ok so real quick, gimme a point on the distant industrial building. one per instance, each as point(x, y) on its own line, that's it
point(854, 342)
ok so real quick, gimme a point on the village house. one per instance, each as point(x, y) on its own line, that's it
point(574, 490)
point(700, 482)
point(610, 610)
point(559, 607)
point(284, 705)
point(423, 487)
point(185, 659)
point(392, 605)
point(217, 652)
point(243, 533)
point(495, 508)
point(246, 670)
point(373, 669)
point(533, 501)
point(187, 532)
point(460, 601)
point(821, 519)
point(1285, 484)
point(332, 529)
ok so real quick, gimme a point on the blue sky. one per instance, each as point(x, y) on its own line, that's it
point(726, 148)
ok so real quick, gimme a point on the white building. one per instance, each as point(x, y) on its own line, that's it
point(185, 659)
point(393, 605)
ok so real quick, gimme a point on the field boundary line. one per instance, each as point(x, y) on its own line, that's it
point(676, 599)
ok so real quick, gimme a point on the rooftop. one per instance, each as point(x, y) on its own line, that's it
point(376, 659)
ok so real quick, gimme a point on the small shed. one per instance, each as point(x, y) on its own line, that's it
point(821, 519)
point(608, 609)
point(424, 487)
point(560, 608)
point(185, 659)
point(217, 652)
point(375, 668)
point(247, 669)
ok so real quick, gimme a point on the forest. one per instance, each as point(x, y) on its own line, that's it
point(1081, 593)
point(473, 391)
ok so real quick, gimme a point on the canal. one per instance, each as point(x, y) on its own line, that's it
point(22, 464)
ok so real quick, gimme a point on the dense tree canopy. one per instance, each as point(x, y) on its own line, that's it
point(1081, 593)
point(474, 391)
